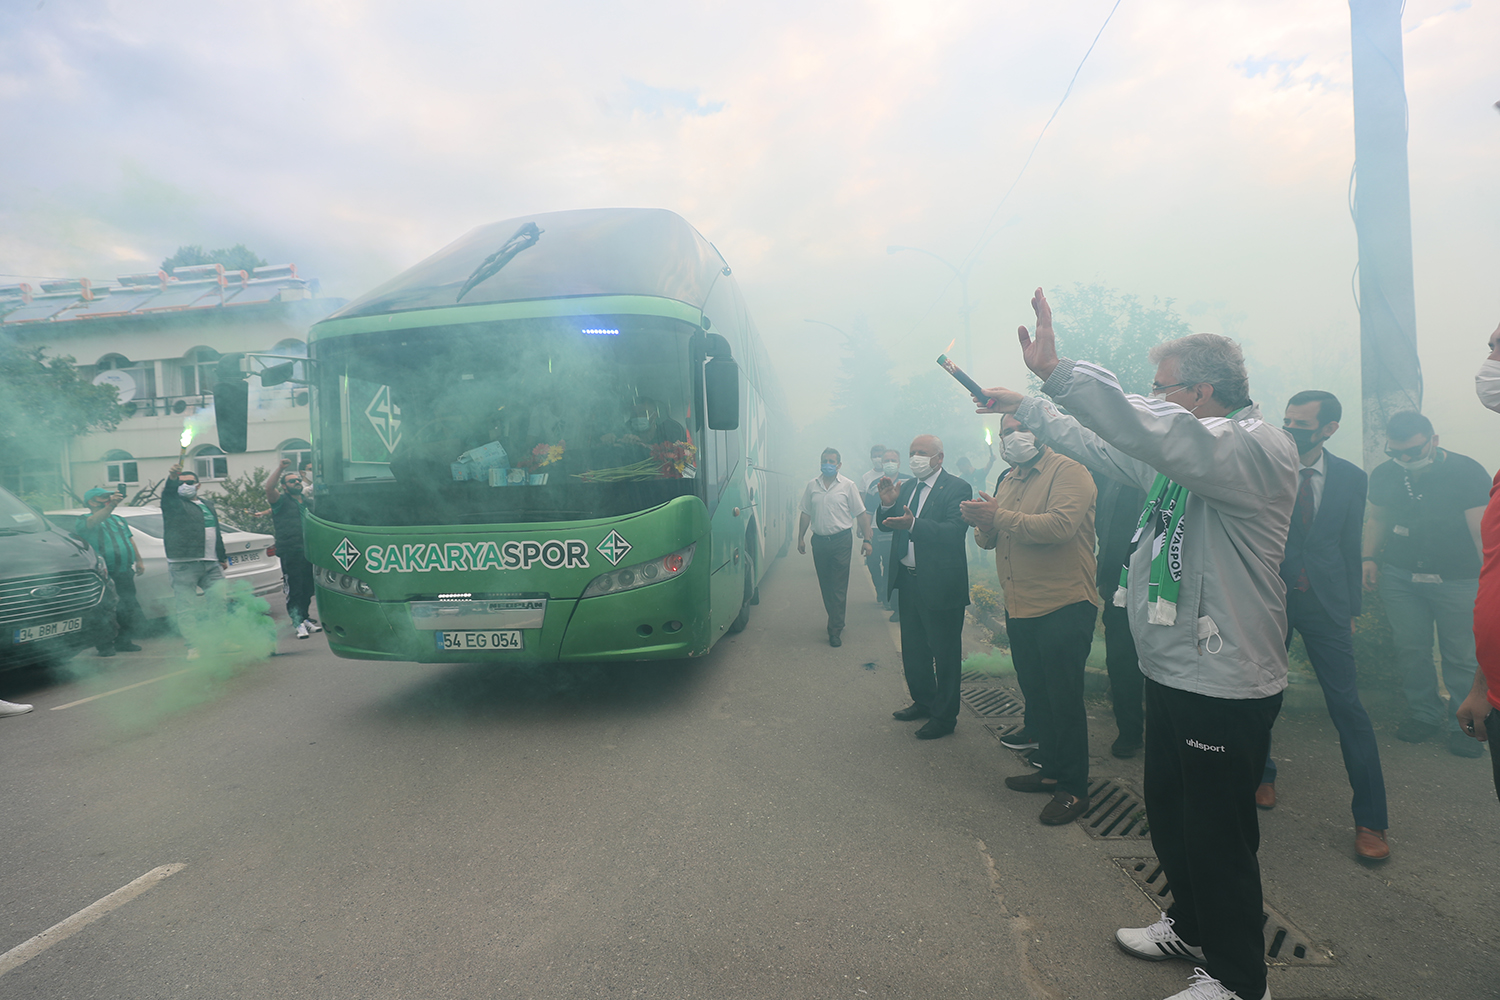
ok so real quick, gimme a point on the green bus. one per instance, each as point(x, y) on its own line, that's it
point(558, 439)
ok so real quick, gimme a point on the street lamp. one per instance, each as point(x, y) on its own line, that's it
point(963, 284)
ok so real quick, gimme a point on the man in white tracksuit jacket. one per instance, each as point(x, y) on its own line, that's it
point(1207, 609)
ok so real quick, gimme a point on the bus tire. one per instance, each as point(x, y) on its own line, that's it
point(743, 618)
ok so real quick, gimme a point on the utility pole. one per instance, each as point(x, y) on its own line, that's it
point(1391, 373)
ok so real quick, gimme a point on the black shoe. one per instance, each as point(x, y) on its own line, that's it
point(911, 713)
point(1125, 748)
point(895, 616)
point(1019, 740)
point(1064, 808)
point(934, 730)
point(834, 640)
point(127, 647)
point(1412, 731)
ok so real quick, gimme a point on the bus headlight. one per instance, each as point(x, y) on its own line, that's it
point(343, 583)
point(642, 574)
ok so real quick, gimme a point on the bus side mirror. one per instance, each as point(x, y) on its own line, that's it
point(277, 374)
point(721, 383)
point(231, 404)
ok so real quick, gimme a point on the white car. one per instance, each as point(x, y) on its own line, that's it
point(252, 556)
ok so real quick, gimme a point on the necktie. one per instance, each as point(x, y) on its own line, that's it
point(1302, 516)
point(916, 501)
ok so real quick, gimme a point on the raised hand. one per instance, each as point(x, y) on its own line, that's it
point(888, 490)
point(1040, 353)
point(1001, 400)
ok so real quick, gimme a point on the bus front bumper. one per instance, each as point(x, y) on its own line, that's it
point(661, 622)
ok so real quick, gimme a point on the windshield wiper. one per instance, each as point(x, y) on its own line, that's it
point(524, 237)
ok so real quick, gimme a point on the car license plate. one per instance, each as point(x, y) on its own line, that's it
point(47, 631)
point(244, 557)
point(490, 639)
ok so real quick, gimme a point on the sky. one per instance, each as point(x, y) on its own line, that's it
point(1203, 156)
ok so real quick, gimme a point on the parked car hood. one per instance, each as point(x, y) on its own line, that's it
point(44, 552)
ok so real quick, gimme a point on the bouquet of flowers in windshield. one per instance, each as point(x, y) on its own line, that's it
point(669, 460)
point(678, 459)
point(543, 455)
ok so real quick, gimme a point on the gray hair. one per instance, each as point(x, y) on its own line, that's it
point(1208, 357)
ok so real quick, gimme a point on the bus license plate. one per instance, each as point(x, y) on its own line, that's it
point(35, 632)
point(492, 639)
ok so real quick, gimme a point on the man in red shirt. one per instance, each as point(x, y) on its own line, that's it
point(1479, 715)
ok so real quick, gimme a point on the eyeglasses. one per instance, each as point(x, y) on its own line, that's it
point(1162, 391)
point(1409, 454)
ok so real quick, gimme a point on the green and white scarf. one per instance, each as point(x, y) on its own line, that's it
point(1166, 503)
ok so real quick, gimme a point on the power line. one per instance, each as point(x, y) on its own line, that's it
point(979, 244)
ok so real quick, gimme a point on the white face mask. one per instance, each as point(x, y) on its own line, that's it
point(1419, 463)
point(1019, 447)
point(921, 466)
point(1487, 385)
point(890, 468)
point(187, 490)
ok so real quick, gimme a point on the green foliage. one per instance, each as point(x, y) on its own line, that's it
point(1375, 648)
point(241, 500)
point(1115, 330)
point(45, 401)
point(235, 258)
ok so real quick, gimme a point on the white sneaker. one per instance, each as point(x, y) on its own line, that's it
point(1206, 987)
point(1156, 943)
point(312, 626)
point(302, 632)
point(11, 708)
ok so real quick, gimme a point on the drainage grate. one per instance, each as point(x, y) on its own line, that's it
point(990, 703)
point(978, 677)
point(1115, 812)
point(1285, 943)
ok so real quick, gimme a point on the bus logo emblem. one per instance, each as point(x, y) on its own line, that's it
point(613, 548)
point(346, 553)
point(385, 417)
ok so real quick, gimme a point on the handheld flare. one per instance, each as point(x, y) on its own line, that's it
point(965, 381)
point(185, 440)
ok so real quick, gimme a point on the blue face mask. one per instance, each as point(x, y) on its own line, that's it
point(829, 470)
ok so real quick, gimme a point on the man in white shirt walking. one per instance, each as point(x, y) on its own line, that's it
point(832, 506)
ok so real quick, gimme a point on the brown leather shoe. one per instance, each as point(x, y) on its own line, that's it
point(1370, 844)
point(1265, 796)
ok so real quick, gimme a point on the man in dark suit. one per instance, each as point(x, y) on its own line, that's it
point(1322, 574)
point(931, 570)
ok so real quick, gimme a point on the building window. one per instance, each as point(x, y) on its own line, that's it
point(210, 462)
point(142, 373)
point(120, 467)
point(300, 452)
point(198, 371)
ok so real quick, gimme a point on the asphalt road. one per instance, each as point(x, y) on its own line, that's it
point(751, 825)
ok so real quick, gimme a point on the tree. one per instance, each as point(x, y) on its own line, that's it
point(1115, 330)
point(45, 401)
point(235, 258)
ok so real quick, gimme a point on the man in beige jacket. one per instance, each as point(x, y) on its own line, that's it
point(1040, 522)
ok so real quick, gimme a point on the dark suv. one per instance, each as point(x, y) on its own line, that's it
point(53, 590)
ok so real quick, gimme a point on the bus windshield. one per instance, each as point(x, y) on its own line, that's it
point(523, 420)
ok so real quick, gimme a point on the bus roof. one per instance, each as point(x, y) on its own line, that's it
point(586, 252)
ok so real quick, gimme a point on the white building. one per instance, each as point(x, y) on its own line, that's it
point(157, 339)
